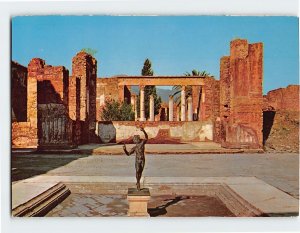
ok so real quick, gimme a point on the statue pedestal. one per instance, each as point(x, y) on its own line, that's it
point(138, 202)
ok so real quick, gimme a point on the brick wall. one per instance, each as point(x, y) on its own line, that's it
point(84, 69)
point(48, 122)
point(286, 99)
point(241, 95)
point(23, 135)
point(19, 92)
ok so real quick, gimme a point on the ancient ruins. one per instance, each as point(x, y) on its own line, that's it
point(54, 109)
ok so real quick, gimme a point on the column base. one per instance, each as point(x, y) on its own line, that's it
point(138, 202)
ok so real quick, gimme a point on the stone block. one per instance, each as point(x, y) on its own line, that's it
point(138, 202)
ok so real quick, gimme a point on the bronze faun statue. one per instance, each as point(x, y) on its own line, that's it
point(139, 150)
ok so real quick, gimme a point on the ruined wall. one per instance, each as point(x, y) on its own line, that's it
point(158, 132)
point(281, 119)
point(210, 107)
point(47, 108)
point(18, 92)
point(23, 135)
point(107, 88)
point(84, 68)
point(283, 99)
point(241, 95)
point(209, 97)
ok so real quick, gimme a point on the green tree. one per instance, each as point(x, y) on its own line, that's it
point(149, 90)
point(90, 51)
point(115, 111)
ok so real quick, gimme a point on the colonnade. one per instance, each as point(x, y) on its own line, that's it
point(171, 106)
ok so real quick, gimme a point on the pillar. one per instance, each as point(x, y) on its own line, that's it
point(171, 108)
point(133, 104)
point(183, 103)
point(190, 108)
point(151, 108)
point(142, 103)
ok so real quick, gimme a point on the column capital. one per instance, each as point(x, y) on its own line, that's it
point(183, 88)
point(142, 87)
point(171, 97)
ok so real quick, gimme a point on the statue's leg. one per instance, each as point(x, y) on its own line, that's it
point(137, 180)
point(139, 175)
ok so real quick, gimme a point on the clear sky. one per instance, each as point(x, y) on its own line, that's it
point(174, 44)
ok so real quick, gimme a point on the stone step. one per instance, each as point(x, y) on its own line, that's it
point(41, 204)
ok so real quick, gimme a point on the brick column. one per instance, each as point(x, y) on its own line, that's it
point(35, 68)
point(142, 103)
point(190, 108)
point(151, 108)
point(171, 107)
point(183, 103)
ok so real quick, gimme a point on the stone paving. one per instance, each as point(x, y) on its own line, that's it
point(279, 170)
point(92, 205)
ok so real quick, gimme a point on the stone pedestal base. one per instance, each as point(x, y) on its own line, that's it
point(138, 202)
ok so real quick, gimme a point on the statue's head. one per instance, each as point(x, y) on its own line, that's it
point(136, 139)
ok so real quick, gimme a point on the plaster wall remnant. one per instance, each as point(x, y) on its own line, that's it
point(158, 132)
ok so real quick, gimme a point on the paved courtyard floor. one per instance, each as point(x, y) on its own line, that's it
point(278, 170)
point(93, 205)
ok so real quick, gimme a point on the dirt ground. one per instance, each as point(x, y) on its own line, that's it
point(283, 132)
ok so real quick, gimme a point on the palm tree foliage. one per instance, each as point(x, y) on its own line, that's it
point(188, 89)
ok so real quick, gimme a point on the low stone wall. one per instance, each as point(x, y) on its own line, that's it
point(158, 132)
point(23, 135)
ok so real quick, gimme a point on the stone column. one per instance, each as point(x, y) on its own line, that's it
point(177, 115)
point(151, 108)
point(190, 108)
point(183, 103)
point(133, 104)
point(171, 108)
point(142, 103)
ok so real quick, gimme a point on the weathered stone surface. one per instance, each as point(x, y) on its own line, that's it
point(84, 68)
point(47, 108)
point(19, 91)
point(281, 119)
point(232, 106)
point(158, 132)
point(284, 99)
point(23, 135)
point(241, 95)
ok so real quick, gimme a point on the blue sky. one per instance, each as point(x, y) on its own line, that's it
point(174, 44)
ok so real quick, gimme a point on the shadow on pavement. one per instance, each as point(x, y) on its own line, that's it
point(26, 166)
point(162, 210)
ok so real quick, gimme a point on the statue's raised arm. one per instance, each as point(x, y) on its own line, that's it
point(128, 152)
point(146, 135)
